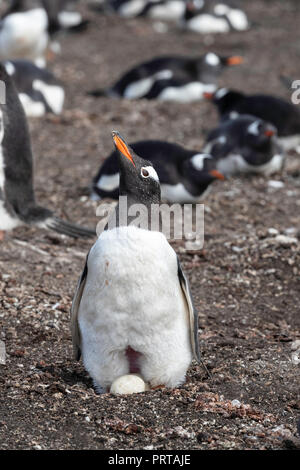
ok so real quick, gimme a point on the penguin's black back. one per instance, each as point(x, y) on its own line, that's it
point(183, 67)
point(283, 115)
point(166, 158)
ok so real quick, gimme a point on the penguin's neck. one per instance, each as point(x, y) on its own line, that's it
point(131, 209)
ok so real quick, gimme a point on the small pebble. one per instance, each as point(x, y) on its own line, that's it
point(275, 184)
point(236, 403)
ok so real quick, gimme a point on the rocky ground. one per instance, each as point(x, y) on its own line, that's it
point(245, 281)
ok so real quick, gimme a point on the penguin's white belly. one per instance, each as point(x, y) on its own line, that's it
point(172, 10)
point(109, 182)
point(186, 93)
point(206, 24)
point(238, 19)
point(53, 94)
point(22, 44)
point(132, 8)
point(32, 108)
point(132, 297)
point(141, 87)
point(68, 19)
point(234, 164)
point(177, 193)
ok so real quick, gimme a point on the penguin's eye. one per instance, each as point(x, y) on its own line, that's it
point(145, 173)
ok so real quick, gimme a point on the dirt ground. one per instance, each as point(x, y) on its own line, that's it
point(245, 281)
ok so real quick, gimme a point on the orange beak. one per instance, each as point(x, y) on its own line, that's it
point(208, 95)
point(269, 133)
point(235, 60)
point(216, 174)
point(122, 146)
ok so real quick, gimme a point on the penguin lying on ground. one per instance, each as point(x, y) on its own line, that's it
point(184, 175)
point(39, 91)
point(133, 310)
point(213, 16)
point(17, 200)
point(169, 71)
point(245, 144)
point(282, 114)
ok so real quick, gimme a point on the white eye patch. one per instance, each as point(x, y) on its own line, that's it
point(220, 93)
point(254, 128)
point(212, 59)
point(149, 172)
point(198, 160)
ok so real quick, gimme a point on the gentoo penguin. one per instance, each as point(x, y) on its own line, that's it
point(24, 35)
point(39, 91)
point(282, 114)
point(17, 200)
point(245, 144)
point(174, 71)
point(213, 16)
point(133, 310)
point(184, 175)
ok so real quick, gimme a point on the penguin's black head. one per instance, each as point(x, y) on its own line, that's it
point(224, 99)
point(202, 170)
point(257, 133)
point(210, 65)
point(138, 178)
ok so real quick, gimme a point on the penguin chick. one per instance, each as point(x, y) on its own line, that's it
point(184, 175)
point(245, 144)
point(17, 200)
point(133, 310)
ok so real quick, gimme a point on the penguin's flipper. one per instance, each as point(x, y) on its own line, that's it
point(193, 315)
point(67, 228)
point(74, 312)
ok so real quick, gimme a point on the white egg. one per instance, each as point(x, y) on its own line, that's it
point(130, 383)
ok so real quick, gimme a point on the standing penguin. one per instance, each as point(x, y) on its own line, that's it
point(17, 200)
point(245, 144)
point(185, 175)
point(282, 114)
point(170, 71)
point(39, 91)
point(24, 35)
point(132, 310)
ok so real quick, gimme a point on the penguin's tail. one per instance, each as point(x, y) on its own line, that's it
point(67, 228)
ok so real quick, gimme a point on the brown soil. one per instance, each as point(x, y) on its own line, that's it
point(245, 283)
